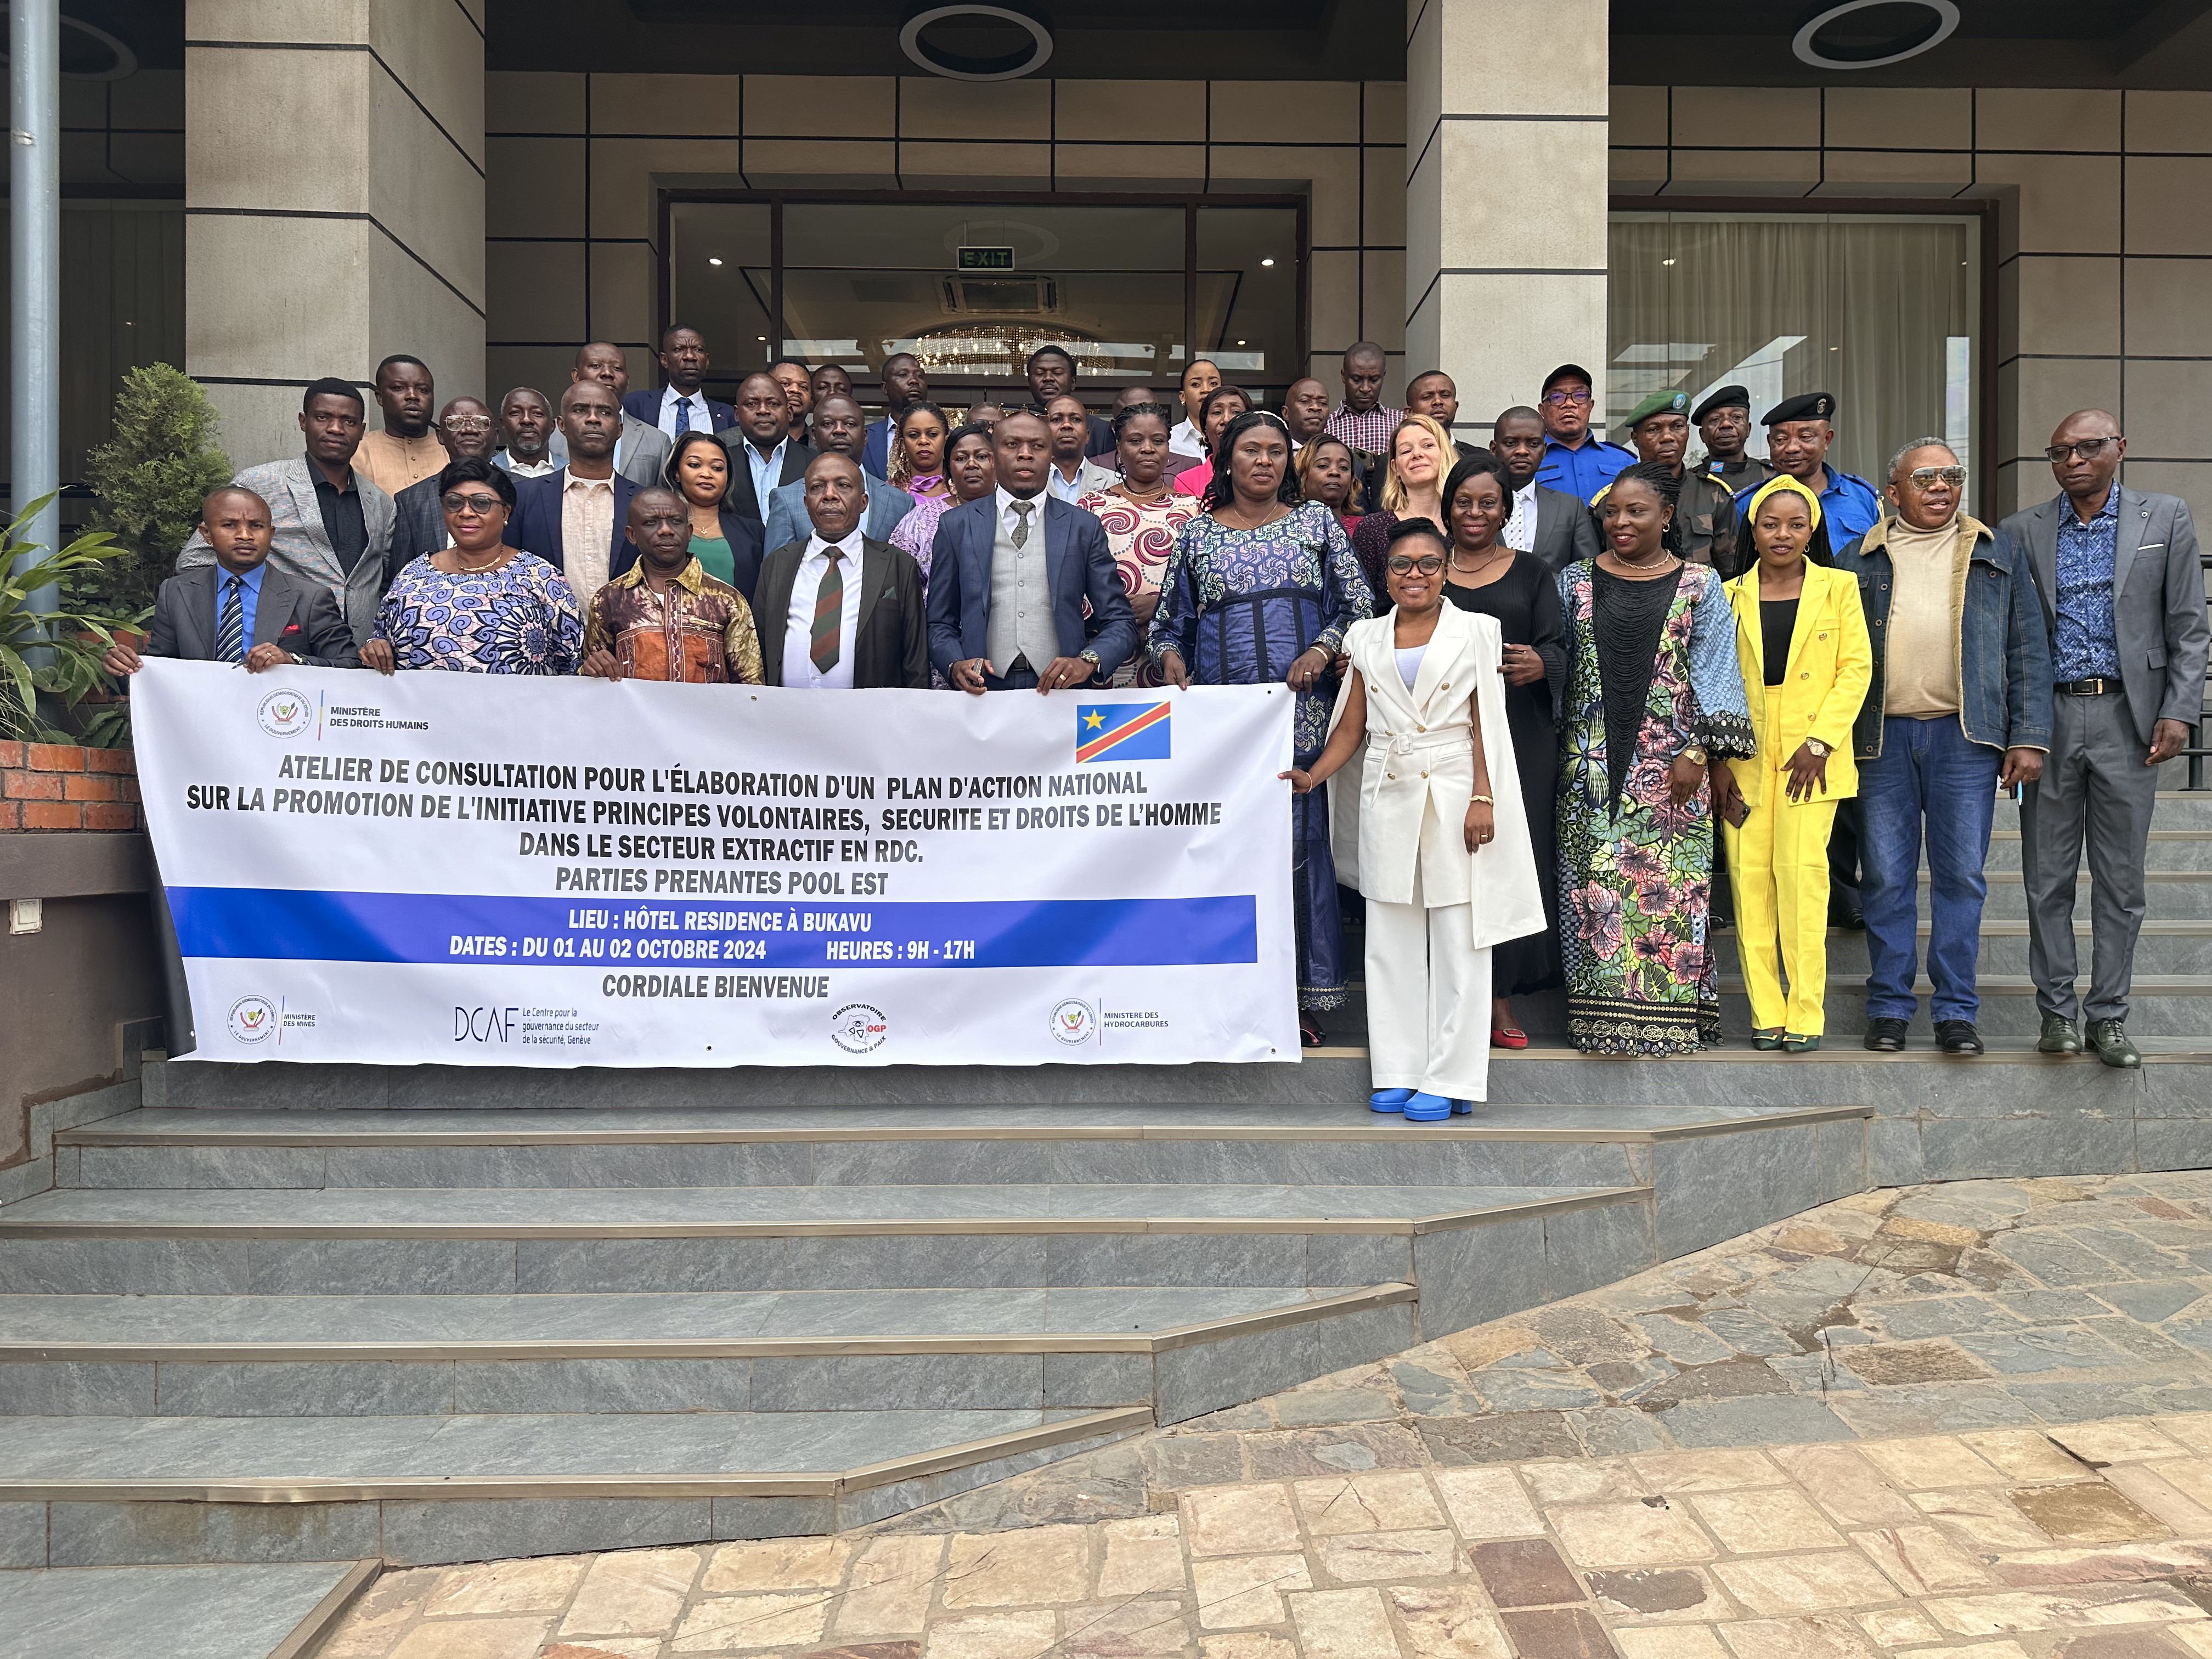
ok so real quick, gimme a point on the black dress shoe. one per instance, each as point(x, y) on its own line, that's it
point(1885, 1035)
point(1842, 913)
point(1958, 1036)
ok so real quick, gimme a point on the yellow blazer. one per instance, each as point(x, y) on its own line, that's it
point(1831, 667)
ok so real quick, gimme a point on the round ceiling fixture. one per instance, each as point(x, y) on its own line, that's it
point(1937, 21)
point(1014, 40)
point(87, 53)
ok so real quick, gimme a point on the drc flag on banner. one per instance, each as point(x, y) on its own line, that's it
point(1122, 732)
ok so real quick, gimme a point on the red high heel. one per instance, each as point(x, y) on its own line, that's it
point(1512, 1037)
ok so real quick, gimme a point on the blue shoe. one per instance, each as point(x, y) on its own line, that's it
point(1425, 1108)
point(1462, 1108)
point(1389, 1100)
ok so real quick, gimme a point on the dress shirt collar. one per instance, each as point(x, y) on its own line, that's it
point(252, 580)
point(569, 481)
point(1006, 498)
point(2110, 509)
point(322, 481)
point(848, 548)
point(670, 397)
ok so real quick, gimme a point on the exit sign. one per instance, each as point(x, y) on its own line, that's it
point(986, 258)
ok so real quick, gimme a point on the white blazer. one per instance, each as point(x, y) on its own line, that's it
point(1420, 756)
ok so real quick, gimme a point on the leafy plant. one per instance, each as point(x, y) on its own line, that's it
point(56, 655)
point(150, 479)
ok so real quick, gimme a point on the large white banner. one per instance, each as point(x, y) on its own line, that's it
point(478, 870)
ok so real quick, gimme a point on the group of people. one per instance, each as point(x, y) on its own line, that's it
point(1591, 687)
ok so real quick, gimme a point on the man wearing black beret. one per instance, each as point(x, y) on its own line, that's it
point(1724, 421)
point(1797, 438)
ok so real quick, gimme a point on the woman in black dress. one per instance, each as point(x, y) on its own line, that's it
point(1485, 575)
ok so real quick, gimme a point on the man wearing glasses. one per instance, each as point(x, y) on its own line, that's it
point(1575, 461)
point(1959, 708)
point(465, 428)
point(1798, 437)
point(2124, 602)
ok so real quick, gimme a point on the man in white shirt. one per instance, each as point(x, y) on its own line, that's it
point(680, 406)
point(526, 422)
point(840, 610)
point(1073, 473)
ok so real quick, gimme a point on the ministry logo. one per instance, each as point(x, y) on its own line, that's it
point(859, 1028)
point(285, 713)
point(1075, 1022)
point(252, 1019)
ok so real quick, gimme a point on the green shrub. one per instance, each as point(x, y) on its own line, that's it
point(150, 479)
point(53, 658)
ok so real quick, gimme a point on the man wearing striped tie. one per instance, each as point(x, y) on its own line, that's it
point(238, 610)
point(839, 610)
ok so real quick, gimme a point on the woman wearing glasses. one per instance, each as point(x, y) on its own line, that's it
point(1440, 847)
point(1801, 639)
point(479, 606)
point(1654, 694)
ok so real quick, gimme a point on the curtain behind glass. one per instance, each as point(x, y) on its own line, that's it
point(1862, 307)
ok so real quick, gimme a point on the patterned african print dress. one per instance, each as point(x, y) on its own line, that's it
point(1239, 606)
point(1142, 535)
point(1635, 870)
point(520, 618)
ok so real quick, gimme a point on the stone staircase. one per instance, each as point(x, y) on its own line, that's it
point(448, 1333)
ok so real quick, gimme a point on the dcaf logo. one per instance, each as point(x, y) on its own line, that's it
point(859, 1028)
point(252, 1019)
point(1073, 1021)
point(285, 713)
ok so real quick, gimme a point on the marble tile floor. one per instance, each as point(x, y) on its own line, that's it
point(1972, 1421)
point(179, 1613)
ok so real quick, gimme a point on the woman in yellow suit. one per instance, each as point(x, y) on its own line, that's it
point(1801, 638)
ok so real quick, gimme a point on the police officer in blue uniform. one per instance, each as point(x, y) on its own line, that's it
point(1574, 460)
point(1797, 438)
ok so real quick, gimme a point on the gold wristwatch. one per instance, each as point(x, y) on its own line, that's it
point(1819, 750)
point(1695, 754)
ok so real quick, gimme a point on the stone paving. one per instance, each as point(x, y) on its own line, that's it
point(1972, 1421)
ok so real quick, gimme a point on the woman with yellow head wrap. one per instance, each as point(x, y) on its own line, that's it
point(1801, 639)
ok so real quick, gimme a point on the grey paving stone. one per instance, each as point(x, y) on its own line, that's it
point(182, 1612)
point(2051, 1348)
point(1909, 1322)
point(2152, 1300)
point(2051, 1307)
point(1761, 1420)
point(1511, 1390)
point(1682, 1342)
point(1613, 1431)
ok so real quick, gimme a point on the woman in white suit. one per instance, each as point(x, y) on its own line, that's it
point(1435, 837)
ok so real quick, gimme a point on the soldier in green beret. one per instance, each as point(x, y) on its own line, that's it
point(1705, 515)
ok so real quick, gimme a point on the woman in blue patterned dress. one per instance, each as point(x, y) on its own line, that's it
point(1654, 695)
point(479, 606)
point(1260, 587)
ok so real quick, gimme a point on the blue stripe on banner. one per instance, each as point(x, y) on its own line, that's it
point(294, 925)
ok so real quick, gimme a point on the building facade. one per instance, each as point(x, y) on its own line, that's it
point(1972, 240)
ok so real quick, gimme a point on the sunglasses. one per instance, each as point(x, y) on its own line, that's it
point(2089, 449)
point(1925, 477)
point(1429, 564)
point(468, 423)
point(456, 502)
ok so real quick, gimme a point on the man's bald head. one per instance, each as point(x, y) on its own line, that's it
point(2085, 454)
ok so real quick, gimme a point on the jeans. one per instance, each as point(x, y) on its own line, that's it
point(1928, 772)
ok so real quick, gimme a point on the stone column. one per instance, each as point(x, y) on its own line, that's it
point(1505, 197)
point(334, 201)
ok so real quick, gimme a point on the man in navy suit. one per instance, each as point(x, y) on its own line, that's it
point(679, 406)
point(904, 385)
point(575, 519)
point(1009, 574)
point(238, 610)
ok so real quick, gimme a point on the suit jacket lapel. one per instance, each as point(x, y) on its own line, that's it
point(2127, 535)
point(1750, 636)
point(1444, 646)
point(274, 609)
point(771, 617)
point(308, 510)
point(200, 611)
point(2043, 547)
point(1056, 532)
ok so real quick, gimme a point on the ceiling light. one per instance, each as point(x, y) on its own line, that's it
point(1269, 260)
point(1666, 262)
point(713, 258)
point(762, 338)
point(1941, 20)
point(1015, 16)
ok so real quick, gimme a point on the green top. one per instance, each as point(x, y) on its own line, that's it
point(714, 553)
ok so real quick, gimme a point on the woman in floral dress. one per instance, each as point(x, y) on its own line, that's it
point(1261, 588)
point(479, 606)
point(1141, 516)
point(1654, 694)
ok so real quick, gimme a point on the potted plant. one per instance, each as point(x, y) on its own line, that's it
point(149, 479)
point(52, 657)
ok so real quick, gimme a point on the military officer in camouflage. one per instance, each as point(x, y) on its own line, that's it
point(1705, 515)
point(1724, 421)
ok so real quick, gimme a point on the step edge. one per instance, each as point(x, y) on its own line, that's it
point(742, 1348)
point(320, 1620)
point(332, 1489)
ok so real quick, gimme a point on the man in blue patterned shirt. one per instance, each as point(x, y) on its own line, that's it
point(2123, 597)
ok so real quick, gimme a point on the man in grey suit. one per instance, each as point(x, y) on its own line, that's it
point(641, 449)
point(465, 428)
point(1549, 523)
point(237, 610)
point(2123, 598)
point(329, 527)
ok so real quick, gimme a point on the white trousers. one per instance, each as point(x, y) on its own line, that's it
point(1428, 1000)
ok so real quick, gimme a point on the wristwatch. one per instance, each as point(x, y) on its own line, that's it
point(1695, 754)
point(1090, 657)
point(1819, 750)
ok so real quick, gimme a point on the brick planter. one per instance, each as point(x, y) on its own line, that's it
point(58, 785)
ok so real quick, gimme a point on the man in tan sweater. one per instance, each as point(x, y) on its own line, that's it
point(1959, 708)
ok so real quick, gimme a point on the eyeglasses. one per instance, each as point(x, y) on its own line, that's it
point(1925, 477)
point(1429, 564)
point(2089, 449)
point(467, 423)
point(456, 502)
point(1561, 399)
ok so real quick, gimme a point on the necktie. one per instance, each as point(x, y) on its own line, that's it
point(230, 626)
point(1022, 511)
point(829, 617)
point(683, 416)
